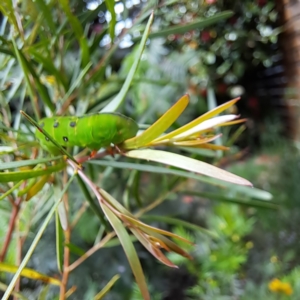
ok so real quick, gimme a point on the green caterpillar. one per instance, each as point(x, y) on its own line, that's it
point(91, 131)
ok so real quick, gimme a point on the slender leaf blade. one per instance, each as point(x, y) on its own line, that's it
point(20, 175)
point(29, 273)
point(34, 243)
point(129, 250)
point(107, 287)
point(160, 126)
point(187, 163)
point(199, 120)
point(28, 162)
point(246, 190)
point(110, 4)
point(116, 102)
point(191, 26)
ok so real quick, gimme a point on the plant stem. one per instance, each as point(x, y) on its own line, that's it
point(66, 270)
point(11, 226)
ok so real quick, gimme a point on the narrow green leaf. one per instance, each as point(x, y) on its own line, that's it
point(77, 82)
point(249, 192)
point(46, 10)
point(107, 288)
point(110, 4)
point(114, 104)
point(28, 69)
point(16, 176)
point(59, 243)
point(28, 162)
point(187, 163)
point(6, 7)
point(238, 200)
point(4, 195)
point(34, 243)
point(160, 126)
point(48, 65)
point(200, 24)
point(78, 31)
point(129, 250)
point(63, 216)
point(91, 202)
point(95, 43)
point(87, 17)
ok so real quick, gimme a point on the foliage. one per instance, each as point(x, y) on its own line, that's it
point(218, 261)
point(216, 56)
point(54, 62)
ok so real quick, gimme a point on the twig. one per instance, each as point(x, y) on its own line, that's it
point(158, 201)
point(18, 256)
point(66, 270)
point(91, 251)
point(11, 226)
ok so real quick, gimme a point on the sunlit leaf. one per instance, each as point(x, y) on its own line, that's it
point(210, 123)
point(199, 120)
point(160, 126)
point(186, 163)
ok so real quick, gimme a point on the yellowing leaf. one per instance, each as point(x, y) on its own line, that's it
point(29, 273)
point(160, 126)
point(37, 187)
point(199, 120)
